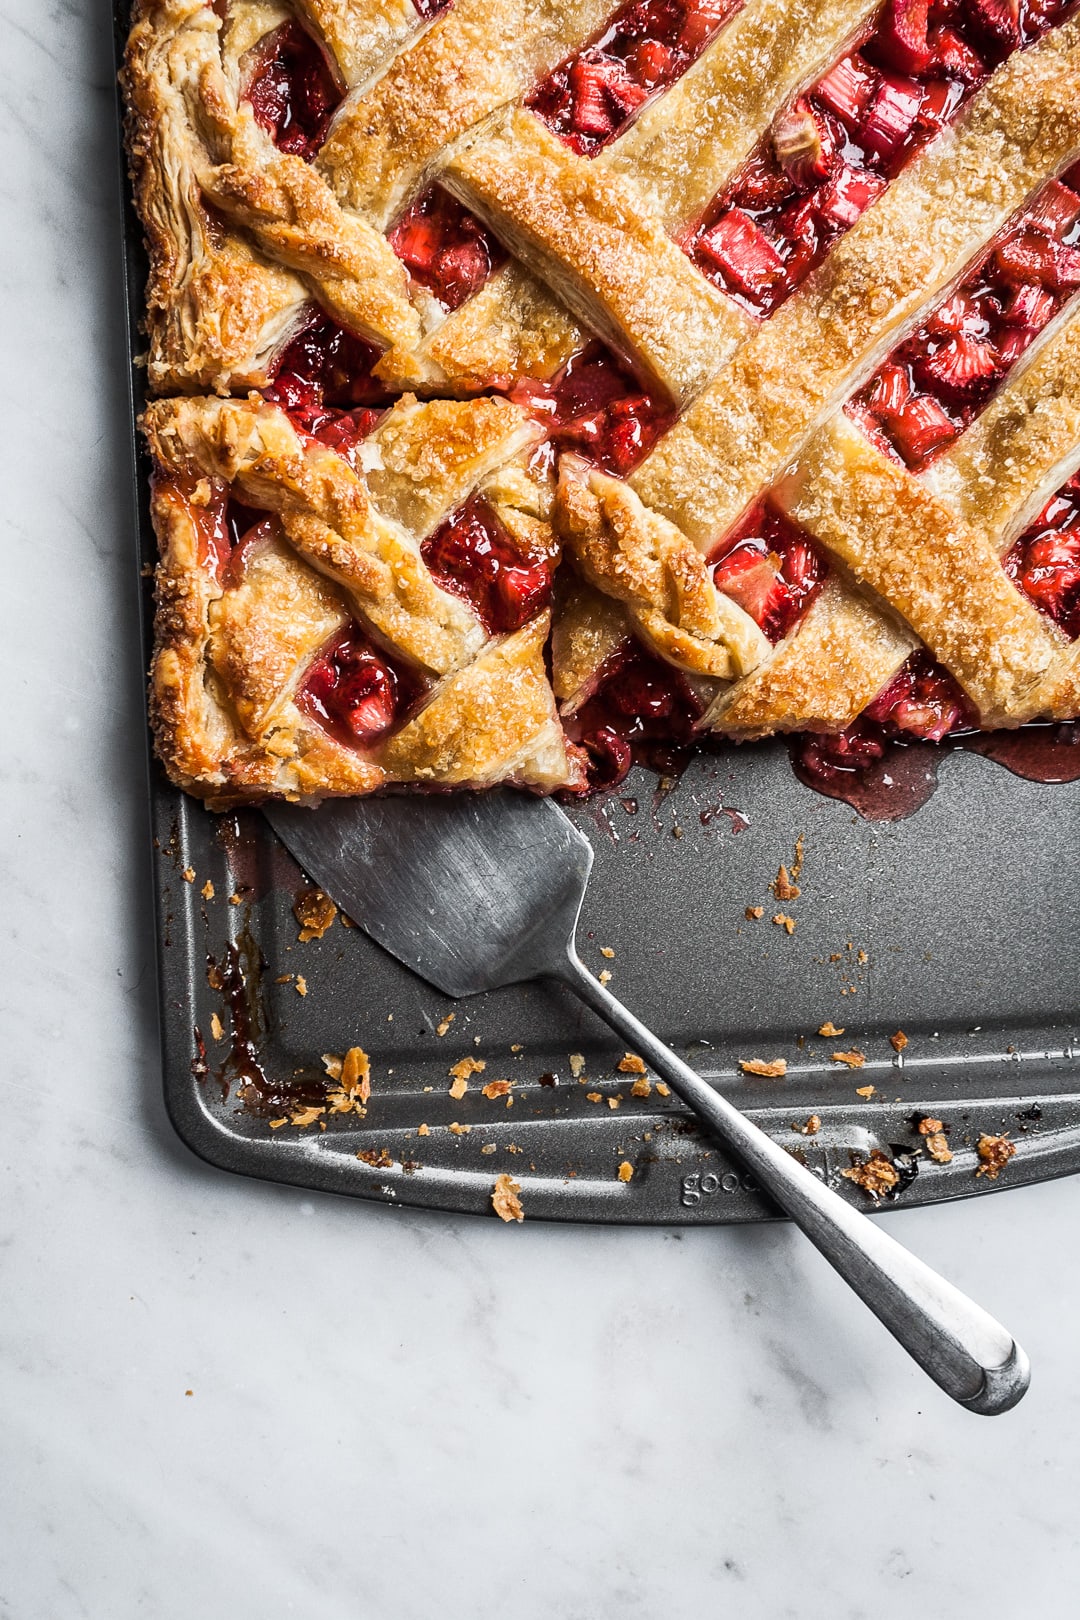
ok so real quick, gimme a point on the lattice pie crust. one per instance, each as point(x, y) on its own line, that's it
point(396, 548)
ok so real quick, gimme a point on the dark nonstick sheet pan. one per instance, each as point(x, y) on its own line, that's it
point(954, 927)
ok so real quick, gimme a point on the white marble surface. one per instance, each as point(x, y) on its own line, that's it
point(393, 1414)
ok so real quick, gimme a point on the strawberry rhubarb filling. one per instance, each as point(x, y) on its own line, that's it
point(292, 91)
point(648, 44)
point(1044, 562)
point(355, 691)
point(641, 711)
point(596, 407)
point(934, 385)
point(323, 381)
point(771, 568)
point(472, 555)
point(832, 152)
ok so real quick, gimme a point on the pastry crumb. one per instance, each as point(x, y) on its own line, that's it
point(423, 1130)
point(606, 950)
point(782, 920)
point(783, 887)
point(504, 1199)
point(995, 1153)
point(809, 1127)
point(517, 1047)
point(865, 1091)
point(208, 891)
point(315, 912)
point(800, 852)
point(898, 1041)
point(630, 1063)
point(625, 1171)
point(594, 1096)
point(662, 1090)
point(276, 1124)
point(495, 1088)
point(443, 1026)
point(459, 1130)
point(768, 1069)
point(577, 1064)
point(830, 1030)
point(460, 1073)
point(854, 1059)
point(284, 978)
point(605, 977)
point(303, 1117)
point(301, 985)
point(613, 1102)
point(236, 898)
point(754, 913)
point(378, 1158)
point(934, 1139)
point(217, 1029)
point(642, 1087)
point(489, 1147)
point(188, 874)
point(876, 1175)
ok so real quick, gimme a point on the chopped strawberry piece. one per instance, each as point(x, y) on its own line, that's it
point(960, 365)
point(703, 18)
point(959, 313)
point(742, 252)
point(955, 56)
point(1046, 567)
point(1000, 19)
point(922, 427)
point(772, 569)
point(651, 61)
point(1014, 342)
point(591, 113)
point(891, 115)
point(804, 144)
point(1030, 255)
point(900, 39)
point(922, 699)
point(847, 196)
point(890, 392)
point(846, 89)
point(1029, 305)
point(760, 185)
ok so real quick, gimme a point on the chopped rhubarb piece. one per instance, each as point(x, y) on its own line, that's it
point(940, 99)
point(846, 89)
point(890, 392)
point(900, 38)
point(291, 90)
point(771, 568)
point(1029, 305)
point(742, 253)
point(1031, 255)
point(472, 555)
point(591, 113)
point(922, 699)
point(922, 427)
point(804, 145)
point(890, 116)
point(1014, 343)
point(356, 692)
point(956, 57)
point(1056, 209)
point(444, 247)
point(847, 196)
point(703, 18)
point(960, 365)
point(871, 426)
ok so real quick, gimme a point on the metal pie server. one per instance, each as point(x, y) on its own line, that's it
point(472, 891)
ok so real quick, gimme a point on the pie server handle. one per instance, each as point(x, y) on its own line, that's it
point(964, 1350)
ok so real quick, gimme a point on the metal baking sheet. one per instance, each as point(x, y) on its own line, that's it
point(954, 926)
